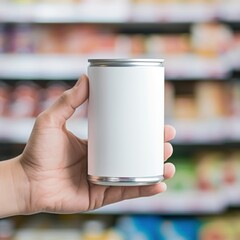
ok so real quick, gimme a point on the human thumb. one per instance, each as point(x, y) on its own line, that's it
point(66, 104)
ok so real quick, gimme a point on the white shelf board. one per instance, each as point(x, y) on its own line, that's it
point(229, 12)
point(204, 131)
point(182, 13)
point(37, 66)
point(19, 130)
point(54, 13)
point(171, 202)
point(118, 12)
point(40, 66)
point(188, 131)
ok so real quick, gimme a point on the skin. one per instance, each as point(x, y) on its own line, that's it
point(51, 173)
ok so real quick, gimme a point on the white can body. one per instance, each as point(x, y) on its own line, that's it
point(126, 123)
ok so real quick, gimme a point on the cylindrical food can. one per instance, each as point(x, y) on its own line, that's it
point(126, 121)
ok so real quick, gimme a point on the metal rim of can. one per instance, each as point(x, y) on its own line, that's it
point(125, 181)
point(124, 62)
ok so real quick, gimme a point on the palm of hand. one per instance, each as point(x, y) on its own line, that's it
point(57, 176)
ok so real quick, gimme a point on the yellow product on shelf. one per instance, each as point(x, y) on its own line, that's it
point(113, 234)
point(93, 230)
point(236, 224)
point(218, 228)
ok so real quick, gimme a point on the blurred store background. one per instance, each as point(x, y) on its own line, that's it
point(44, 47)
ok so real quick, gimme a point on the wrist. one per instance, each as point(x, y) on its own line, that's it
point(14, 188)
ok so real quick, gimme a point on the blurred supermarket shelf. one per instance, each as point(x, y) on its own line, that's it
point(119, 12)
point(176, 202)
point(208, 131)
point(33, 66)
point(17, 130)
point(55, 13)
point(60, 67)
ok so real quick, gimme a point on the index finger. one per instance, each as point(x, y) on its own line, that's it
point(169, 133)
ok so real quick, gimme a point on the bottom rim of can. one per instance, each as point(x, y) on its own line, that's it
point(125, 181)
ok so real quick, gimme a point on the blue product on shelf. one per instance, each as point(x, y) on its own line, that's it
point(178, 229)
point(138, 227)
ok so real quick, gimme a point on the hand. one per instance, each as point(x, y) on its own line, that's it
point(53, 165)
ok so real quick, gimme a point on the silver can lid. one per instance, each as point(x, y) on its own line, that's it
point(131, 62)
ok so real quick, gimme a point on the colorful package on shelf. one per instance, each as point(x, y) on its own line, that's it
point(138, 46)
point(3, 39)
point(4, 99)
point(210, 171)
point(211, 39)
point(154, 227)
point(235, 51)
point(231, 168)
point(235, 221)
point(97, 230)
point(169, 100)
point(178, 228)
point(165, 45)
point(218, 228)
point(138, 227)
point(49, 39)
point(51, 92)
point(234, 102)
point(20, 39)
point(212, 101)
point(25, 100)
point(185, 176)
point(6, 229)
point(133, 45)
point(74, 40)
point(231, 177)
point(185, 107)
point(86, 39)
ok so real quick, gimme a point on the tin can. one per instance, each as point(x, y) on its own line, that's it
point(126, 121)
